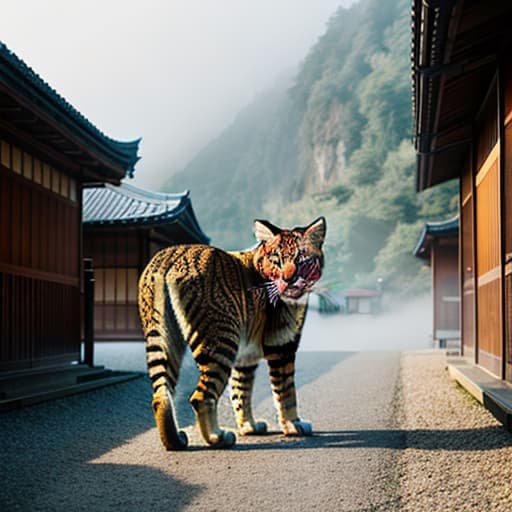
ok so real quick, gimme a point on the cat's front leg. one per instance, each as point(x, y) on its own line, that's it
point(242, 382)
point(281, 362)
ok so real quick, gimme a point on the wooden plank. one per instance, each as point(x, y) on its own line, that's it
point(5, 217)
point(488, 220)
point(489, 324)
point(491, 275)
point(488, 164)
point(487, 236)
point(507, 192)
point(36, 230)
point(17, 270)
point(26, 224)
point(486, 127)
point(508, 323)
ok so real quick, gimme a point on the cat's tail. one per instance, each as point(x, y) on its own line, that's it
point(164, 353)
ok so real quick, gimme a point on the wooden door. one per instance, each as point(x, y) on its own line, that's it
point(488, 236)
point(507, 211)
point(39, 263)
point(467, 264)
point(488, 249)
point(446, 288)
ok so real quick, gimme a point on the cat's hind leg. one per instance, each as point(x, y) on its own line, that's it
point(164, 353)
point(242, 383)
point(163, 381)
point(214, 369)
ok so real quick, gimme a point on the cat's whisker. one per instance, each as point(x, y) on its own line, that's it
point(262, 286)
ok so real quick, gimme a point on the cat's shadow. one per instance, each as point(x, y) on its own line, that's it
point(471, 439)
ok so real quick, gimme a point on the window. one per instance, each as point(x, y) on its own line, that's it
point(38, 172)
point(27, 166)
point(16, 160)
point(31, 168)
point(116, 285)
point(5, 157)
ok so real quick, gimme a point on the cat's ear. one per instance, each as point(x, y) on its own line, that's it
point(264, 230)
point(316, 232)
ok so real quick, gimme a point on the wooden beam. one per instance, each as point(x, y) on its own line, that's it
point(11, 109)
point(117, 173)
point(44, 150)
point(32, 120)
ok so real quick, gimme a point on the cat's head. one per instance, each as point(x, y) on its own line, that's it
point(289, 261)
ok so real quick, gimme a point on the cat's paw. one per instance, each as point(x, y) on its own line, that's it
point(304, 428)
point(257, 428)
point(226, 439)
point(298, 428)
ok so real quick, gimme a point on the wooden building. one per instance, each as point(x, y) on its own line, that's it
point(439, 247)
point(462, 91)
point(124, 227)
point(48, 151)
point(362, 300)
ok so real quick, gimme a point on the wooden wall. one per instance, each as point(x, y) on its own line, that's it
point(467, 263)
point(40, 214)
point(119, 255)
point(488, 235)
point(507, 210)
point(445, 263)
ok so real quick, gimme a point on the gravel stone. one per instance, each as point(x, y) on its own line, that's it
point(392, 432)
point(458, 457)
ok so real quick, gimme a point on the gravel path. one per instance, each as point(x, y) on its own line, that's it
point(100, 450)
point(391, 433)
point(457, 456)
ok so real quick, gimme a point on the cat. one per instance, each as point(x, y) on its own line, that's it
point(232, 309)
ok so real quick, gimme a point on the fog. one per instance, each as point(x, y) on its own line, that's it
point(174, 72)
point(406, 326)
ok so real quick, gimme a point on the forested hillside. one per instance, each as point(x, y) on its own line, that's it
point(336, 141)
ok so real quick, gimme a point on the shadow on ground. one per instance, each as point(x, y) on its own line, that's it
point(309, 366)
point(483, 439)
point(46, 452)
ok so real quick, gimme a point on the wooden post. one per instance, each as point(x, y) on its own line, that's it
point(88, 312)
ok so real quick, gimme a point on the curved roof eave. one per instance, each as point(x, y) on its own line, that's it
point(26, 84)
point(126, 205)
point(444, 228)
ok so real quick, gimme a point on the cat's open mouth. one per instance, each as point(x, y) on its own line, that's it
point(308, 273)
point(298, 289)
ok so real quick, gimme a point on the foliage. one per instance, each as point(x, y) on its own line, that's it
point(341, 193)
point(400, 271)
point(335, 143)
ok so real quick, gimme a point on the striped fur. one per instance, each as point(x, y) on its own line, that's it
point(231, 309)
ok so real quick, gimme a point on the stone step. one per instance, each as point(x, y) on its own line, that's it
point(48, 386)
point(493, 393)
point(15, 383)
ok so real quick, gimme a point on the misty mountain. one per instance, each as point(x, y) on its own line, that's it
point(334, 141)
point(252, 162)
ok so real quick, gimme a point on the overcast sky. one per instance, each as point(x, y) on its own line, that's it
point(174, 72)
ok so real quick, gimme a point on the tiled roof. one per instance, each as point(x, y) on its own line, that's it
point(129, 205)
point(18, 76)
point(445, 228)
